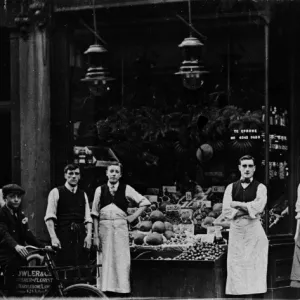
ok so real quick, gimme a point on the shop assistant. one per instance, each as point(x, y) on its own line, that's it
point(295, 274)
point(68, 209)
point(14, 234)
point(110, 217)
point(247, 258)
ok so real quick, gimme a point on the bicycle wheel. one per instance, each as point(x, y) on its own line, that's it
point(82, 290)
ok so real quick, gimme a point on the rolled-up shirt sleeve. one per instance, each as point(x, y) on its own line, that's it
point(227, 211)
point(257, 206)
point(298, 203)
point(132, 195)
point(87, 218)
point(52, 205)
point(96, 203)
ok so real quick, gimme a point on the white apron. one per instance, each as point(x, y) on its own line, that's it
point(113, 230)
point(247, 258)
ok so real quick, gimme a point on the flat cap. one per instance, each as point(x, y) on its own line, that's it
point(12, 188)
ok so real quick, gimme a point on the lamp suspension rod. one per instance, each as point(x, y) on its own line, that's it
point(191, 27)
point(190, 17)
point(95, 21)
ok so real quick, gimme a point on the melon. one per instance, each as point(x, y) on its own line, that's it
point(138, 238)
point(169, 226)
point(169, 234)
point(218, 208)
point(159, 227)
point(145, 226)
point(157, 215)
point(154, 239)
point(208, 221)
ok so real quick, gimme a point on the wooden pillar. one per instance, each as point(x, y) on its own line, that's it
point(61, 129)
point(35, 126)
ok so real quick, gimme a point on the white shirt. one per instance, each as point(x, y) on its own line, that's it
point(53, 201)
point(2, 202)
point(255, 207)
point(298, 203)
point(130, 193)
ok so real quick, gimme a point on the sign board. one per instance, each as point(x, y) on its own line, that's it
point(206, 203)
point(187, 227)
point(33, 281)
point(172, 207)
point(188, 196)
point(169, 188)
point(208, 238)
point(218, 189)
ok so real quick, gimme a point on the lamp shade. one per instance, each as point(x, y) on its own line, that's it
point(191, 68)
point(191, 49)
point(97, 71)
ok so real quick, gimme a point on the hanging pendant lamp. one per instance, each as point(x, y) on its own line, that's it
point(97, 72)
point(191, 69)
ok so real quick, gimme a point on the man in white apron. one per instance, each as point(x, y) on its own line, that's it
point(247, 259)
point(109, 212)
point(295, 274)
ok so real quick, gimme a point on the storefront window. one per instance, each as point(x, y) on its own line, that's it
point(180, 142)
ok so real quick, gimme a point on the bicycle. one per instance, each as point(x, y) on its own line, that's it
point(57, 288)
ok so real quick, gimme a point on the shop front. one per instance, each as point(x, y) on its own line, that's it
point(178, 129)
point(179, 137)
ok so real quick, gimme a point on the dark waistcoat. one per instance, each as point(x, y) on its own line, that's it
point(70, 207)
point(244, 195)
point(118, 199)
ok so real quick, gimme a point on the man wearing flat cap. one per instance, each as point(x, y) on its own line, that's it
point(14, 234)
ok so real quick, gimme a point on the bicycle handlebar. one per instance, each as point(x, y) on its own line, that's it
point(44, 250)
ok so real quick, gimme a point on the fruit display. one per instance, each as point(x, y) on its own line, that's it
point(153, 238)
point(157, 215)
point(199, 251)
point(173, 217)
point(170, 222)
point(177, 239)
point(159, 227)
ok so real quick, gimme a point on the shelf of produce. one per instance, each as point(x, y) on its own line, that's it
point(179, 278)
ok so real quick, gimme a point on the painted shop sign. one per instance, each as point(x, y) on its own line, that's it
point(33, 281)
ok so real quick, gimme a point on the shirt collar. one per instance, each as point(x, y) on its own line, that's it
point(115, 185)
point(71, 188)
point(10, 210)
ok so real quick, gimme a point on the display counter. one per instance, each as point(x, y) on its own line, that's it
point(178, 278)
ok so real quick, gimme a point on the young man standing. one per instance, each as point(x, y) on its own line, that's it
point(14, 233)
point(243, 202)
point(68, 209)
point(111, 229)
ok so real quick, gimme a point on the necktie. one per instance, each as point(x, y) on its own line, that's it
point(113, 190)
point(245, 180)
